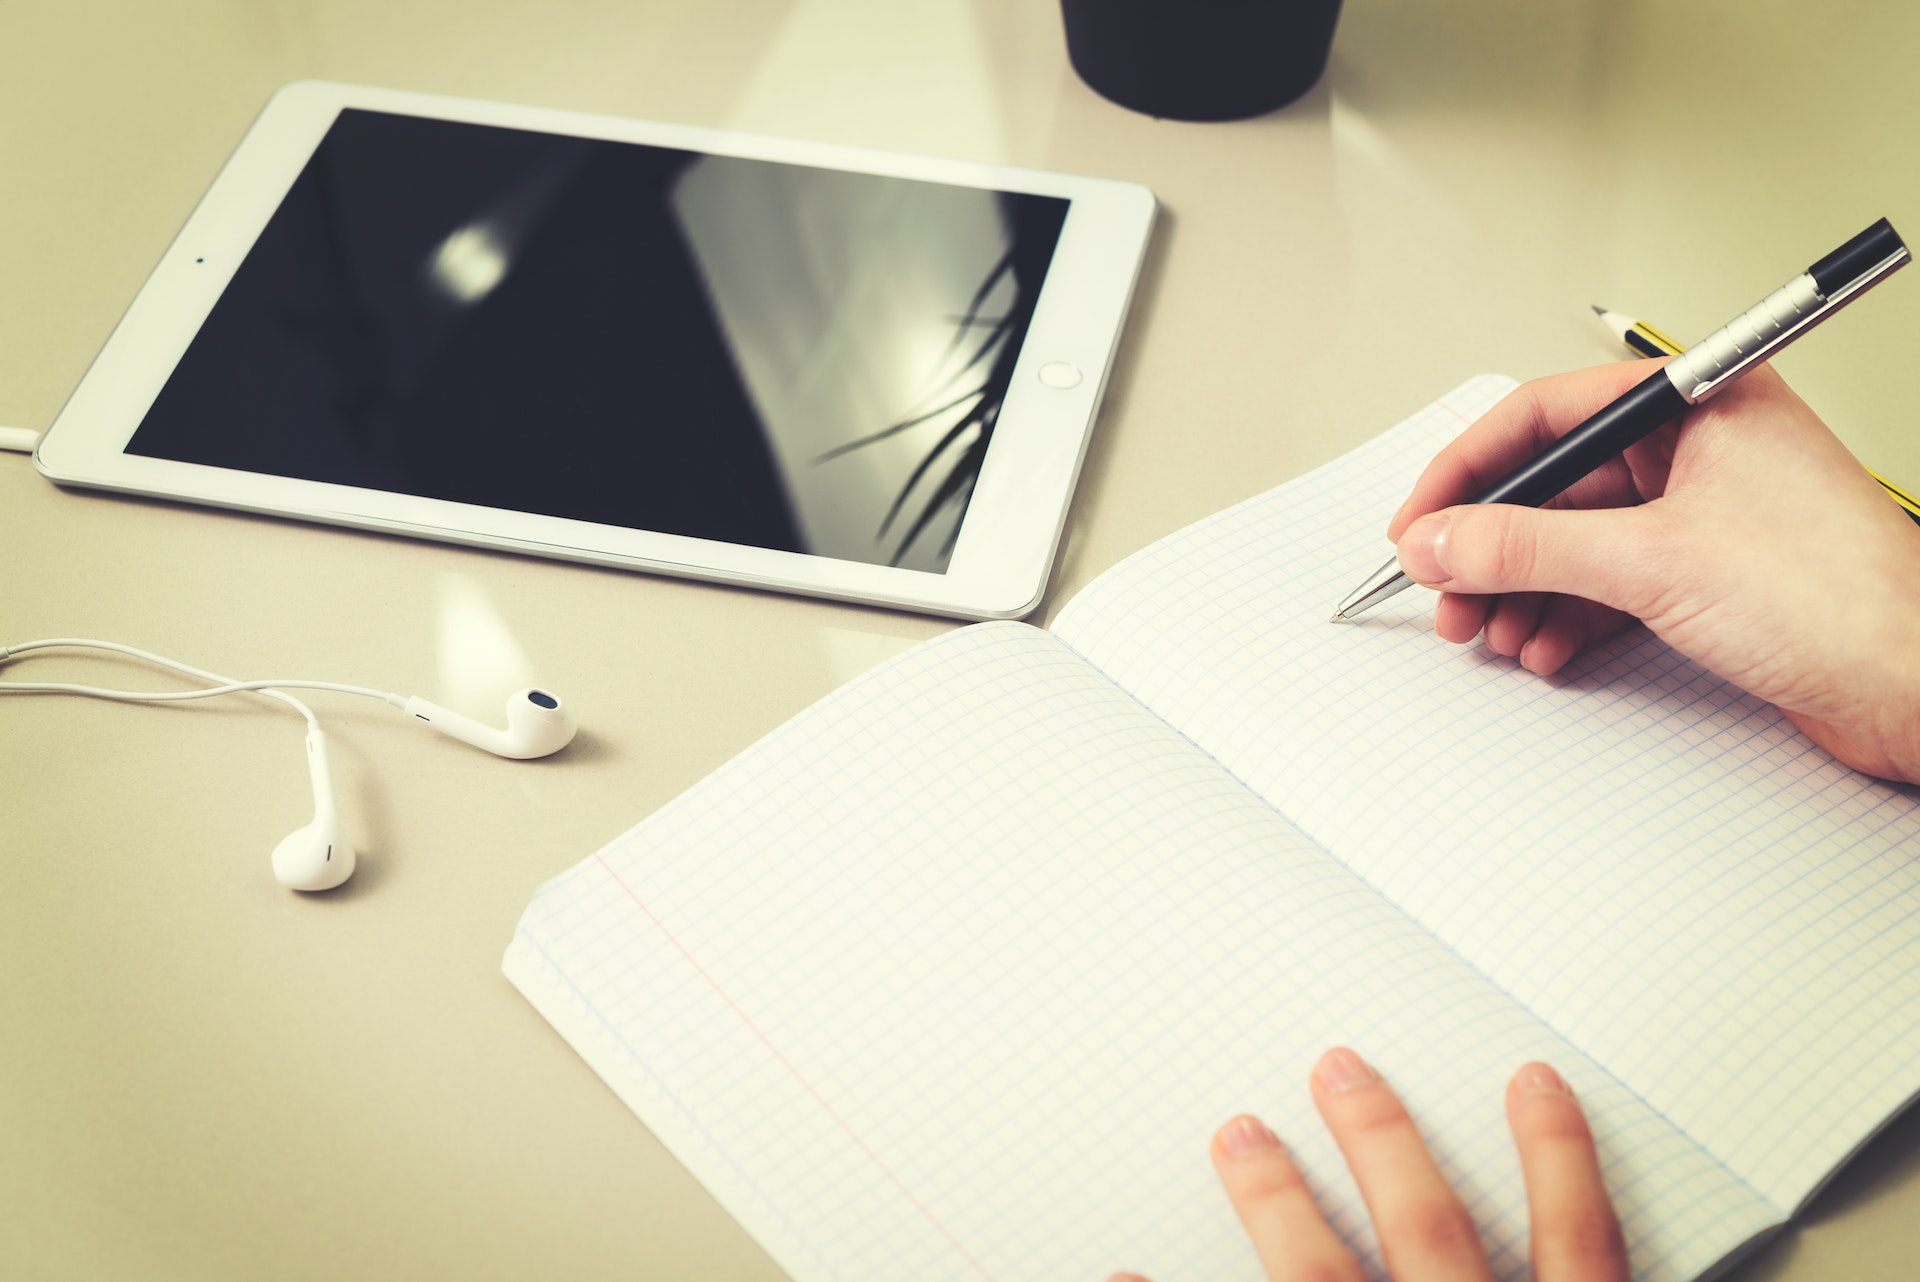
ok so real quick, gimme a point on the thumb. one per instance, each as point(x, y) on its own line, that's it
point(1609, 555)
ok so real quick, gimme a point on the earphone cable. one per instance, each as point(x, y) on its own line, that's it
point(222, 685)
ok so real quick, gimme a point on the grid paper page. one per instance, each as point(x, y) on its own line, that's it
point(954, 975)
point(1657, 865)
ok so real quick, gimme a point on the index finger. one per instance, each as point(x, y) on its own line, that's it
point(1425, 1232)
point(1291, 1237)
point(1528, 420)
point(1575, 1235)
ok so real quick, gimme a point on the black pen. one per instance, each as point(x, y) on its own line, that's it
point(1642, 338)
point(1683, 382)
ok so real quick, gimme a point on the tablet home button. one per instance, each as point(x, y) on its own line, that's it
point(1059, 374)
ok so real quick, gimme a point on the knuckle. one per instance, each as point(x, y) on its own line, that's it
point(1496, 554)
point(1324, 1268)
point(1657, 582)
point(1559, 1121)
point(1369, 1111)
point(1537, 396)
point(1588, 1237)
point(1270, 1182)
point(1435, 1230)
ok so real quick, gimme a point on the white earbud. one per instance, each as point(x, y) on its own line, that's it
point(315, 857)
point(538, 725)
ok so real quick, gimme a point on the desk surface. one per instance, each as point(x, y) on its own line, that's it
point(205, 1076)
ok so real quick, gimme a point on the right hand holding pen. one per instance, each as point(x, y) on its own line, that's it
point(1745, 536)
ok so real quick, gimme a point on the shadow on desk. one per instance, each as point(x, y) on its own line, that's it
point(1873, 1200)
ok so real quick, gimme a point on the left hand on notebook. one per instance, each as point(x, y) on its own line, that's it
point(1424, 1230)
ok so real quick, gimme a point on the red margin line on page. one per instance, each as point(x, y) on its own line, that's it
point(797, 1075)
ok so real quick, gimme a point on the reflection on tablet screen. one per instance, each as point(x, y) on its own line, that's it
point(739, 350)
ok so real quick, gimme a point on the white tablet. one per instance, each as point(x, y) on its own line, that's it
point(812, 368)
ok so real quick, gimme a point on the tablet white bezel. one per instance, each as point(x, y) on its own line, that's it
point(1006, 544)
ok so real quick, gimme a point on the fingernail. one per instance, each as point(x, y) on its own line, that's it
point(1423, 550)
point(1245, 1134)
point(1341, 1070)
point(1542, 1080)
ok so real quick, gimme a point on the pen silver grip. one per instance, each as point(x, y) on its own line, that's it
point(1746, 340)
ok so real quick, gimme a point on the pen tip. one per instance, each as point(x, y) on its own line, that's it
point(1597, 309)
point(1337, 617)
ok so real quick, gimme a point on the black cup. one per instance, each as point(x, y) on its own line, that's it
point(1200, 59)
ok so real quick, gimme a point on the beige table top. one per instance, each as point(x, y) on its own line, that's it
point(205, 1076)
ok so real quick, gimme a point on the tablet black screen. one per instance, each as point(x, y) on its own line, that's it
point(758, 353)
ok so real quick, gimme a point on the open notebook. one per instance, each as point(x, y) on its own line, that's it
point(953, 975)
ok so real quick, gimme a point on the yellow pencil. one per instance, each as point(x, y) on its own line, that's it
point(1637, 335)
point(1644, 340)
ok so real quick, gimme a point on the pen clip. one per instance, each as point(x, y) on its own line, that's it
point(1711, 347)
point(1898, 258)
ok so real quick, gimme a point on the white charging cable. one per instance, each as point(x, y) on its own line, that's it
point(21, 439)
